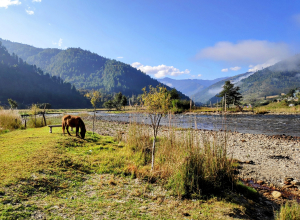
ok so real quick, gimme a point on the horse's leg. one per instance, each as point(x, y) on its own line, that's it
point(67, 127)
point(77, 130)
point(63, 128)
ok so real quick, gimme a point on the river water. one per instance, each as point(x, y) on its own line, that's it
point(254, 124)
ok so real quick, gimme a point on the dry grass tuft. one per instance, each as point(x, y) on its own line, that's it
point(289, 211)
point(190, 164)
point(9, 119)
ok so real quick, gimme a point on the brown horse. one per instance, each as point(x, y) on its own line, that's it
point(73, 121)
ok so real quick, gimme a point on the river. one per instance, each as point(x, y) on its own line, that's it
point(254, 124)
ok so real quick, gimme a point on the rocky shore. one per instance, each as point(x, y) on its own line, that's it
point(267, 158)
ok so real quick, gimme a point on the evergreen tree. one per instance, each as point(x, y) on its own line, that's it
point(231, 94)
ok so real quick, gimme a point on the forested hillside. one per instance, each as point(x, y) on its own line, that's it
point(274, 80)
point(206, 94)
point(86, 70)
point(28, 84)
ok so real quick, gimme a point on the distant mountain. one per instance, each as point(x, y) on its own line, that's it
point(85, 70)
point(209, 92)
point(274, 80)
point(189, 87)
point(29, 85)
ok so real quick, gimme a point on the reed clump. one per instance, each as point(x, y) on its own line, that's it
point(187, 162)
point(289, 211)
point(9, 120)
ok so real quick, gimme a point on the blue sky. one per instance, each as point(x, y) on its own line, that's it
point(178, 39)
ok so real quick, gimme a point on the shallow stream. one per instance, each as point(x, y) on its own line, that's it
point(254, 124)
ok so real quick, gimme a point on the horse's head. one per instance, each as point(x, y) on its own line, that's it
point(82, 129)
point(82, 133)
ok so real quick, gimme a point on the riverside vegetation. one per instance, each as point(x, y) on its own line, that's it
point(47, 175)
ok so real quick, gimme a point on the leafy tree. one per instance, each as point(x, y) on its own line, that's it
point(95, 98)
point(13, 104)
point(118, 101)
point(174, 94)
point(124, 101)
point(231, 93)
point(157, 102)
point(291, 93)
point(109, 104)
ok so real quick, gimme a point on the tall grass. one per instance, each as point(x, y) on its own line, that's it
point(190, 163)
point(9, 120)
point(289, 211)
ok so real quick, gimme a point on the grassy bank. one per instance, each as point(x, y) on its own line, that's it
point(55, 176)
point(48, 176)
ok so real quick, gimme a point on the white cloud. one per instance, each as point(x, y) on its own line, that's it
point(36, 0)
point(245, 52)
point(29, 12)
point(235, 68)
point(263, 65)
point(120, 57)
point(215, 90)
point(199, 75)
point(169, 84)
point(59, 43)
point(224, 70)
point(160, 70)
point(6, 3)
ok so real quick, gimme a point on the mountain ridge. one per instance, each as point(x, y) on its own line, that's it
point(86, 70)
point(189, 86)
point(28, 85)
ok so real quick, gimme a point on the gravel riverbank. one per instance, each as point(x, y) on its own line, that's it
point(267, 158)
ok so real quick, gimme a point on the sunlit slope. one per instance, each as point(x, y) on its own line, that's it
point(274, 80)
point(86, 70)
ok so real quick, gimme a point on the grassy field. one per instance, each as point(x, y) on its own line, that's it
point(278, 107)
point(53, 176)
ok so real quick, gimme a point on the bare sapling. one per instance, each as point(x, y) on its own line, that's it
point(157, 102)
point(95, 98)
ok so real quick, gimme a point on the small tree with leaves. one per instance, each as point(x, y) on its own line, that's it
point(13, 104)
point(95, 97)
point(124, 101)
point(157, 102)
point(118, 101)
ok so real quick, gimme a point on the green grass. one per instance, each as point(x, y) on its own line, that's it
point(24, 152)
point(57, 176)
point(289, 211)
point(277, 107)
